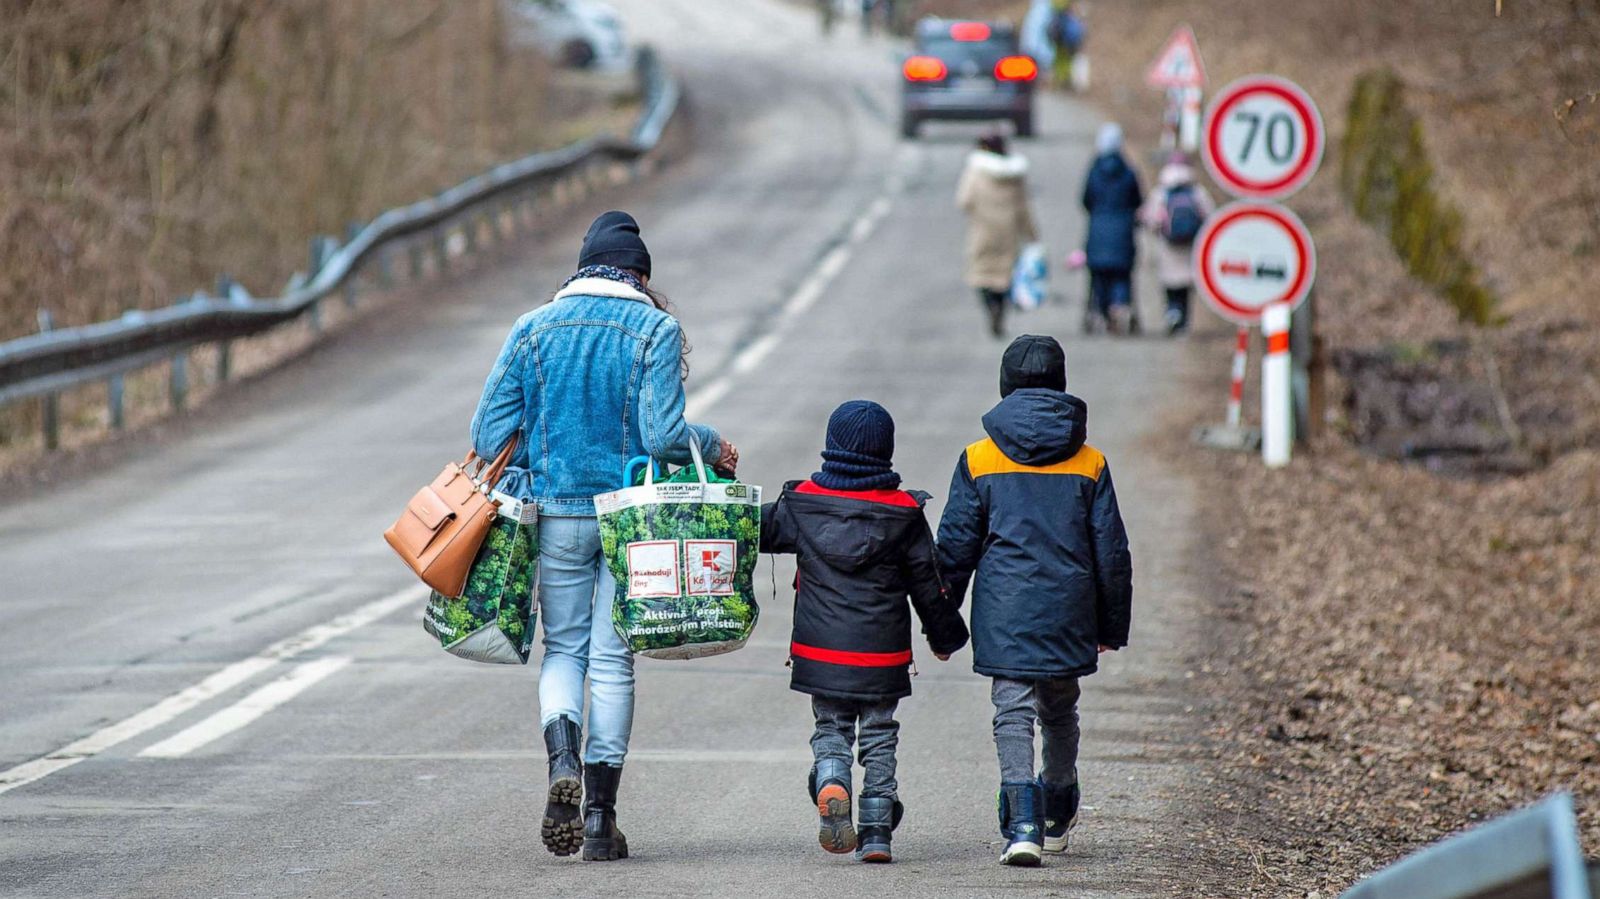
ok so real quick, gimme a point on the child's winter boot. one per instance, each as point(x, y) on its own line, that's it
point(830, 790)
point(562, 829)
point(1022, 823)
point(880, 815)
point(1060, 814)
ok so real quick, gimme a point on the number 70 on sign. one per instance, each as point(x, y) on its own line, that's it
point(1263, 138)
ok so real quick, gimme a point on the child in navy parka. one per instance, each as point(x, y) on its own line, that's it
point(1032, 522)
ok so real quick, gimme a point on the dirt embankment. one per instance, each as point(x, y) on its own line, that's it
point(1411, 648)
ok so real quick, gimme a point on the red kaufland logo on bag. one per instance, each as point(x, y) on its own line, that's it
point(711, 565)
point(653, 568)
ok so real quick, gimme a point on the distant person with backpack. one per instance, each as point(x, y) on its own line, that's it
point(1112, 197)
point(1066, 32)
point(1175, 211)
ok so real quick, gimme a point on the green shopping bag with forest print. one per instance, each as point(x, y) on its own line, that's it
point(493, 619)
point(683, 554)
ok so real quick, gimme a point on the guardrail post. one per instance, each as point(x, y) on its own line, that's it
point(506, 217)
point(529, 207)
point(226, 289)
point(50, 415)
point(469, 233)
point(414, 251)
point(441, 249)
point(320, 250)
point(114, 402)
point(350, 231)
point(178, 381)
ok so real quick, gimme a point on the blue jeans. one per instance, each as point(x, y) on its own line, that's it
point(576, 591)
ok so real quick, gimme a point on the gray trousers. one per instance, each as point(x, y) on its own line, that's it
point(838, 721)
point(1054, 705)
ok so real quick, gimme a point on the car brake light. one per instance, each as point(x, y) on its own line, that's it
point(969, 31)
point(925, 68)
point(1016, 68)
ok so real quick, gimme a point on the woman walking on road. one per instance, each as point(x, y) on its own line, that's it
point(587, 382)
point(994, 194)
point(1112, 197)
point(1175, 211)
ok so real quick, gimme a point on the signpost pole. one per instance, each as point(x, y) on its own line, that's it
point(1277, 416)
point(1241, 359)
point(1189, 121)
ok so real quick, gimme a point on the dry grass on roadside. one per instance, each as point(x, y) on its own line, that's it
point(148, 147)
point(1406, 654)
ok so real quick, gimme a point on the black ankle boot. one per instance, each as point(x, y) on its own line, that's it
point(602, 841)
point(562, 830)
point(830, 790)
point(880, 815)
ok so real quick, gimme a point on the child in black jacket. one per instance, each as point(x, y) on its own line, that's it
point(863, 546)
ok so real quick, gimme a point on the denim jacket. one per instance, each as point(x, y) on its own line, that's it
point(589, 381)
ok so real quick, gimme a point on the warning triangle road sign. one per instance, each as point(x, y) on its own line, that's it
point(1179, 63)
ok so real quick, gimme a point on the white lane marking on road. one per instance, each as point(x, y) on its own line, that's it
point(209, 688)
point(803, 298)
point(246, 710)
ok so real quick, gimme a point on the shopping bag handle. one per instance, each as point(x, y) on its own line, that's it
point(699, 464)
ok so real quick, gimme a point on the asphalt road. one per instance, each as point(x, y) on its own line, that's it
point(215, 681)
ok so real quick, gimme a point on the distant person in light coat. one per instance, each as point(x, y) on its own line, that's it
point(1174, 211)
point(994, 194)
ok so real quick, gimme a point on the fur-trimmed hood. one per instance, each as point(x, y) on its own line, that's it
point(1010, 165)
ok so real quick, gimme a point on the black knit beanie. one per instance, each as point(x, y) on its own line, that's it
point(860, 449)
point(1033, 361)
point(614, 240)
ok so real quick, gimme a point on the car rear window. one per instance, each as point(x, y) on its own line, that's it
point(984, 53)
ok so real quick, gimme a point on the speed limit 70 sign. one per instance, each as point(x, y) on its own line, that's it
point(1263, 138)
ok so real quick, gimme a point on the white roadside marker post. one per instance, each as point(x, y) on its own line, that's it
point(1277, 417)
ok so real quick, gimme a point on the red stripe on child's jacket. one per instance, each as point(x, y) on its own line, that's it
point(887, 497)
point(853, 659)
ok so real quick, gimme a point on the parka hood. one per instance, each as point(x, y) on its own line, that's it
point(1036, 426)
point(849, 533)
point(1008, 166)
point(1110, 164)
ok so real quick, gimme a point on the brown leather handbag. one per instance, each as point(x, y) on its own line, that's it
point(445, 524)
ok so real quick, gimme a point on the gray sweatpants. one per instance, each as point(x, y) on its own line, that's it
point(1054, 705)
point(837, 723)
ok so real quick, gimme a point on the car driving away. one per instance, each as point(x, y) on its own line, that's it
point(967, 71)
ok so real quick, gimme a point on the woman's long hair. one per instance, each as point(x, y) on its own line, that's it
point(661, 302)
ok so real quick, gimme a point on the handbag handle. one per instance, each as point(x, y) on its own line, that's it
point(486, 481)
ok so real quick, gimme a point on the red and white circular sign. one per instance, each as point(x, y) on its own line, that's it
point(1251, 255)
point(1263, 138)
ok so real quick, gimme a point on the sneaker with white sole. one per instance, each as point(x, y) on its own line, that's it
point(1060, 815)
point(1021, 807)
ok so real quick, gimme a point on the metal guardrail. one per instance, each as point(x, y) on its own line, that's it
point(1529, 854)
point(45, 364)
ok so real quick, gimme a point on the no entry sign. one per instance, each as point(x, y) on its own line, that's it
point(1251, 255)
point(1263, 138)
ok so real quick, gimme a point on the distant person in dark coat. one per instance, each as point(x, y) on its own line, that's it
point(1112, 197)
point(863, 548)
point(1032, 522)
